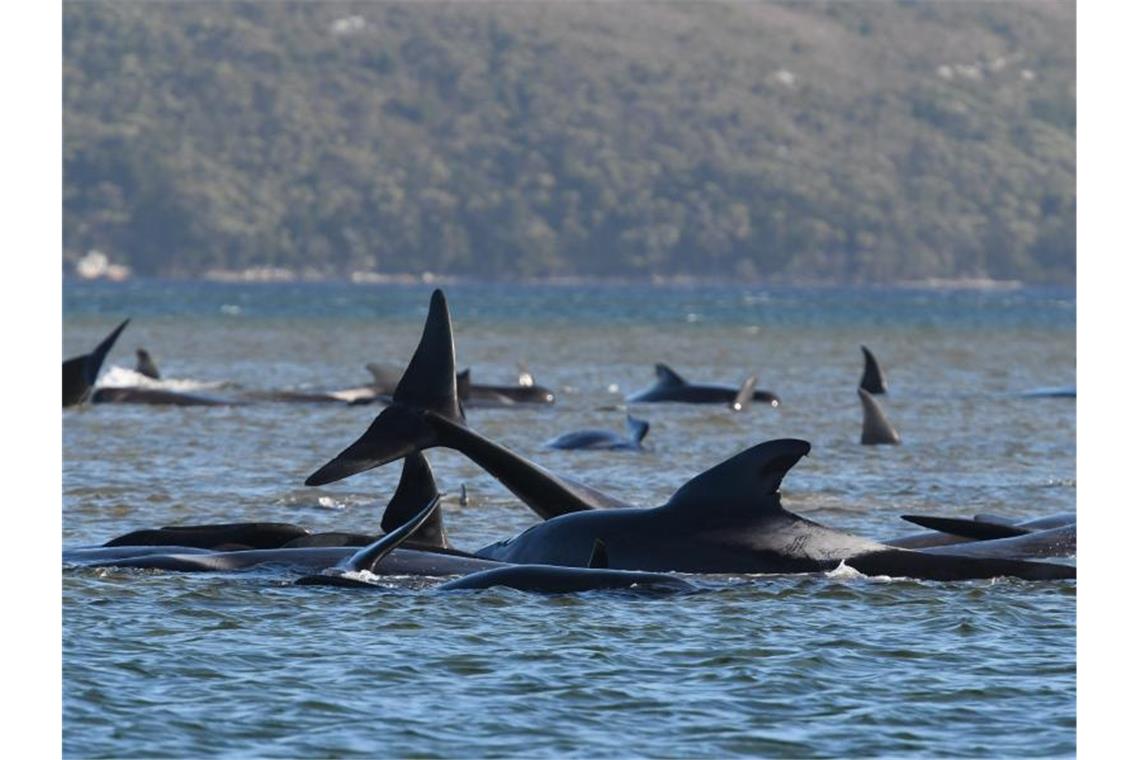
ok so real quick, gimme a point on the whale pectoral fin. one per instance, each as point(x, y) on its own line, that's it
point(973, 529)
point(369, 556)
point(744, 395)
point(599, 558)
point(416, 487)
point(637, 428)
point(395, 433)
point(666, 376)
point(872, 380)
point(744, 482)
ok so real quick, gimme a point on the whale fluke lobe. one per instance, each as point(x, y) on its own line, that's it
point(416, 488)
point(428, 385)
point(429, 381)
point(145, 365)
point(876, 428)
point(872, 380)
point(80, 372)
point(744, 397)
point(977, 530)
point(743, 482)
point(395, 433)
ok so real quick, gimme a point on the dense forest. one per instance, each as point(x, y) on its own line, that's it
point(796, 141)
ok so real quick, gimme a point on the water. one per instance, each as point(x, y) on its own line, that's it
point(246, 665)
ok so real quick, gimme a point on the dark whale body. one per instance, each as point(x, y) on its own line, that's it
point(604, 439)
point(155, 397)
point(80, 372)
point(729, 520)
point(672, 387)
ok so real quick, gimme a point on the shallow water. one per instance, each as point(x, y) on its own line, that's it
point(245, 665)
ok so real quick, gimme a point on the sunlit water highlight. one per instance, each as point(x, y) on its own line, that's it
point(246, 665)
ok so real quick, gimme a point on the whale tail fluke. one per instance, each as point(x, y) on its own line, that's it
point(876, 428)
point(416, 488)
point(428, 384)
point(744, 395)
point(746, 483)
point(80, 373)
point(872, 380)
point(637, 428)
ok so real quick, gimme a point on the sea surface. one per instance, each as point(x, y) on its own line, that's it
point(245, 665)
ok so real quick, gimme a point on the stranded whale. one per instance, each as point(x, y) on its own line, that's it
point(604, 439)
point(672, 387)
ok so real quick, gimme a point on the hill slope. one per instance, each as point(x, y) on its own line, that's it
point(847, 142)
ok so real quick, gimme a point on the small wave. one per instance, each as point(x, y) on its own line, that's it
point(122, 377)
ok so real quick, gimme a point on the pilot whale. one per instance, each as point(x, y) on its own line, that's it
point(670, 386)
point(596, 575)
point(80, 372)
point(604, 439)
point(426, 412)
point(471, 394)
point(729, 520)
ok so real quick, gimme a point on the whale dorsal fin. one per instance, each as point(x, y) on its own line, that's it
point(384, 378)
point(599, 558)
point(416, 488)
point(81, 372)
point(872, 380)
point(463, 383)
point(429, 380)
point(145, 365)
point(637, 428)
point(744, 482)
point(744, 395)
point(366, 558)
point(667, 377)
point(876, 427)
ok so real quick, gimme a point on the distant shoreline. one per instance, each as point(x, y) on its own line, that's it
point(279, 276)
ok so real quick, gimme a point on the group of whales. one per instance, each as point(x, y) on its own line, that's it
point(727, 520)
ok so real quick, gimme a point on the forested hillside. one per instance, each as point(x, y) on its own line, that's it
point(846, 142)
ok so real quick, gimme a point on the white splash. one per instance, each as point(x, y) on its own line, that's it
point(123, 377)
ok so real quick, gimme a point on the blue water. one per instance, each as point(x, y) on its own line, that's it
point(246, 665)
